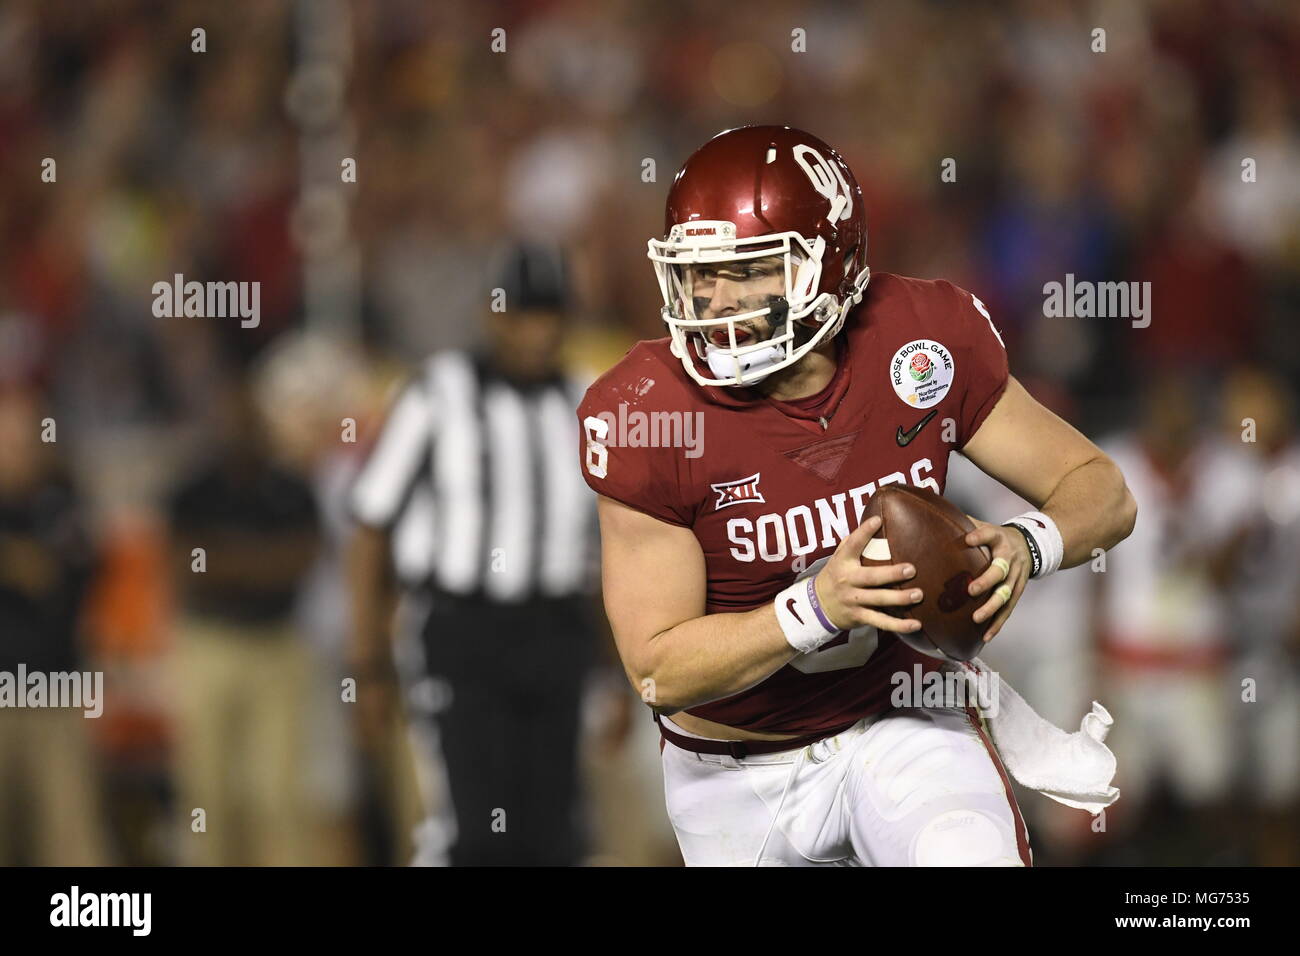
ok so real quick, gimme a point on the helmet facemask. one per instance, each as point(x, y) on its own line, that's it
point(795, 318)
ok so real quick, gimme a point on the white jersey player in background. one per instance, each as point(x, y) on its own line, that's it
point(1265, 604)
point(1164, 629)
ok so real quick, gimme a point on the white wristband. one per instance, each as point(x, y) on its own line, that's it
point(1046, 536)
point(799, 612)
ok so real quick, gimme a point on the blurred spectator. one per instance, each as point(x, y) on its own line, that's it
point(317, 394)
point(244, 533)
point(50, 810)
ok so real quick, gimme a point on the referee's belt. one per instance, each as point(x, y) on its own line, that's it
point(740, 749)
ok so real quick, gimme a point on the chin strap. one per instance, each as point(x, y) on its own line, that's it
point(758, 363)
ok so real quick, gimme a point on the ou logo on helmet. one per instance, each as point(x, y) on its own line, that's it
point(827, 180)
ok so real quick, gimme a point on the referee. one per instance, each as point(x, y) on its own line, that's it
point(469, 503)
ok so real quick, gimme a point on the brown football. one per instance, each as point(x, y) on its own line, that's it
point(927, 531)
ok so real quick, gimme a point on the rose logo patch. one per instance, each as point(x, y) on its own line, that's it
point(921, 373)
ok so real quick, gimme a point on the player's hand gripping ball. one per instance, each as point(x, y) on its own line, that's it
point(926, 530)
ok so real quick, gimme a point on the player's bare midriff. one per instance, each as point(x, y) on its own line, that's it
point(708, 728)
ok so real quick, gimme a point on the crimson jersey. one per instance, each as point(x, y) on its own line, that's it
point(770, 488)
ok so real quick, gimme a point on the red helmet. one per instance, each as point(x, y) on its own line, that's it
point(756, 193)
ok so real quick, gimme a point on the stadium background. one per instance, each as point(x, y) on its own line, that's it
point(224, 165)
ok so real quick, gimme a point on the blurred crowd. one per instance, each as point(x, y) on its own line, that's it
point(1122, 165)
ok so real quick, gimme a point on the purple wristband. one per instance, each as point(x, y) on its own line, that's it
point(817, 607)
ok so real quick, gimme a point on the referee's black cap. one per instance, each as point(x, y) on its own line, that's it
point(534, 275)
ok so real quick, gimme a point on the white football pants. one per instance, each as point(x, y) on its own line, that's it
point(909, 787)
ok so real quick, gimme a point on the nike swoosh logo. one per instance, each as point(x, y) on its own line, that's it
point(789, 606)
point(905, 437)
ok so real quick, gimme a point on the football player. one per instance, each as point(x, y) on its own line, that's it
point(734, 460)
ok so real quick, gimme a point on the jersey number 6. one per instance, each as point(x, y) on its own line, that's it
point(596, 430)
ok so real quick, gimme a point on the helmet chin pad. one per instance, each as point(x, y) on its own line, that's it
point(754, 365)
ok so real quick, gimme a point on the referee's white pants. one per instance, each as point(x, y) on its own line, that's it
point(910, 787)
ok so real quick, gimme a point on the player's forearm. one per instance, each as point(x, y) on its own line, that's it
point(710, 657)
point(1093, 509)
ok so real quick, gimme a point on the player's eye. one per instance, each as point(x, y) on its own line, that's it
point(740, 273)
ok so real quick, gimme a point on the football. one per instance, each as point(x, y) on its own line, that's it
point(927, 531)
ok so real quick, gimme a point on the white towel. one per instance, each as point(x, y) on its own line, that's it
point(1074, 769)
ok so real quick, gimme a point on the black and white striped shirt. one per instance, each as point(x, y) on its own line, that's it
point(473, 475)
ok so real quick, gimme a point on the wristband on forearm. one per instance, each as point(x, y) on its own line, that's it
point(1035, 554)
point(1046, 548)
point(802, 619)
